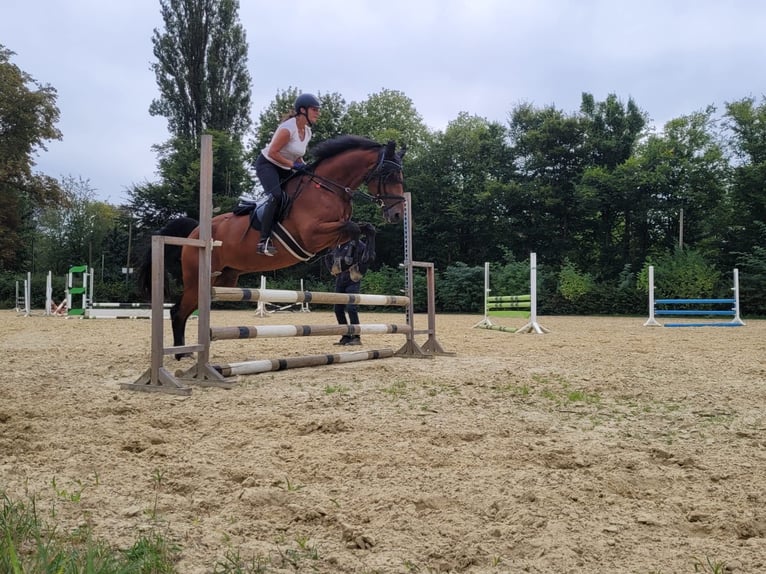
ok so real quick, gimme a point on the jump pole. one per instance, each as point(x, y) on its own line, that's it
point(533, 325)
point(651, 321)
point(260, 310)
point(267, 365)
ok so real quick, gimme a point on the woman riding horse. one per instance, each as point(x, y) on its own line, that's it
point(319, 218)
point(284, 153)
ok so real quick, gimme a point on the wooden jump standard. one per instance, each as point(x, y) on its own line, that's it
point(158, 379)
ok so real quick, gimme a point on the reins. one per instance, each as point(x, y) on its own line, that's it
point(378, 172)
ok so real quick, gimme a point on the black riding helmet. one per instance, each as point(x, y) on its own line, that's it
point(306, 101)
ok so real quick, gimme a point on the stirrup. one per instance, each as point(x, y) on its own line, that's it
point(265, 247)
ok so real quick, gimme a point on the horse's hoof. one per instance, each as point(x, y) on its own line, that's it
point(336, 270)
point(355, 274)
point(180, 356)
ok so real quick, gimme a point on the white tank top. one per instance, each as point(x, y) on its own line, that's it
point(294, 148)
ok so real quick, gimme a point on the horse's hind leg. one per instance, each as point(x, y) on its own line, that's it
point(184, 307)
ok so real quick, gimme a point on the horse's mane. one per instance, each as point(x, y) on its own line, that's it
point(331, 148)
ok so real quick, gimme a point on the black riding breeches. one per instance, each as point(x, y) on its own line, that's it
point(270, 176)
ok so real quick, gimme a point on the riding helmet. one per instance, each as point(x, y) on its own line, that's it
point(307, 101)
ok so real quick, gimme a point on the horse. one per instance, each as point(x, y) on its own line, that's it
point(318, 218)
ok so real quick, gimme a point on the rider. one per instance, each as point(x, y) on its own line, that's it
point(283, 153)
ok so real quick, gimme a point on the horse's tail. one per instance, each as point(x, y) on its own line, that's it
point(179, 227)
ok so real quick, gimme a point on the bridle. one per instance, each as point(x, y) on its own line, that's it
point(385, 169)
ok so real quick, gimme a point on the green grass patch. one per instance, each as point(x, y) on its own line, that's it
point(29, 545)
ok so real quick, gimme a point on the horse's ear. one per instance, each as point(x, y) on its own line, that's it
point(390, 148)
point(402, 151)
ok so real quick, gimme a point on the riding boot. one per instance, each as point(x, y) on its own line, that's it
point(265, 245)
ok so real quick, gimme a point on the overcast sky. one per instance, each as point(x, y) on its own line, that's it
point(673, 57)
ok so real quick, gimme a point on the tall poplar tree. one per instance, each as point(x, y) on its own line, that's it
point(201, 68)
point(204, 87)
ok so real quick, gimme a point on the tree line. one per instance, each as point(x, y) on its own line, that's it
point(598, 192)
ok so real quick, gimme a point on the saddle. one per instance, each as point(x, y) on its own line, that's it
point(255, 209)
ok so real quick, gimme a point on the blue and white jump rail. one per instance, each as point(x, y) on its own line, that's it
point(698, 308)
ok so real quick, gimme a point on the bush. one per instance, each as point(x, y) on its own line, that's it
point(683, 274)
point(573, 283)
point(460, 289)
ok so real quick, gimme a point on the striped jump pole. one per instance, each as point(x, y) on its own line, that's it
point(267, 365)
point(286, 296)
point(116, 310)
point(432, 346)
point(274, 331)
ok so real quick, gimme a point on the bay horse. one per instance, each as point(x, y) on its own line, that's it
point(319, 218)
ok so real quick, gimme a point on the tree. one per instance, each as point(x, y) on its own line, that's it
point(461, 200)
point(613, 131)
point(28, 115)
point(746, 122)
point(204, 86)
point(201, 68)
point(549, 152)
point(686, 168)
point(75, 234)
point(387, 115)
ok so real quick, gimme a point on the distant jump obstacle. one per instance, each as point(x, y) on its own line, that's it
point(512, 305)
point(264, 308)
point(90, 309)
point(689, 308)
point(159, 379)
point(24, 296)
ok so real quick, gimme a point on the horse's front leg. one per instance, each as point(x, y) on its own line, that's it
point(369, 231)
point(350, 255)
